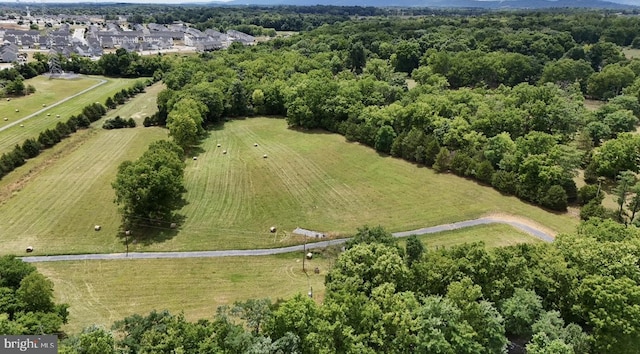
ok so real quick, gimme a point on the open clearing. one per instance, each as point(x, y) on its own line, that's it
point(314, 180)
point(631, 53)
point(105, 291)
point(49, 92)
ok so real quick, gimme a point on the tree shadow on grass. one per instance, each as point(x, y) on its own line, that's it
point(152, 232)
point(147, 232)
point(315, 131)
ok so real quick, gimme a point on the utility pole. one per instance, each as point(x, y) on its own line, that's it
point(126, 242)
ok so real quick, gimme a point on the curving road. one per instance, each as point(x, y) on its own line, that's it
point(271, 251)
point(102, 82)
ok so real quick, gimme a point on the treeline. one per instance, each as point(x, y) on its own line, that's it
point(119, 64)
point(572, 296)
point(48, 138)
point(27, 305)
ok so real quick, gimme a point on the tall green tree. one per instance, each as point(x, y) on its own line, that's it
point(35, 293)
point(150, 189)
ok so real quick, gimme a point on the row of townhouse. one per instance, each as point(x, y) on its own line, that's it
point(92, 42)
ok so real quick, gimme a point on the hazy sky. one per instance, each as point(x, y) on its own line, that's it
point(36, 2)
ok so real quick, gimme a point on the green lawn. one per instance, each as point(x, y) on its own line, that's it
point(49, 92)
point(314, 180)
point(101, 292)
point(318, 181)
point(496, 235)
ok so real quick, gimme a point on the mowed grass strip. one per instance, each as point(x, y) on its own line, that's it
point(56, 209)
point(101, 292)
point(49, 92)
point(494, 235)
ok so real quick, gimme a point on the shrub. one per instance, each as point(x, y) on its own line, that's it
point(504, 182)
point(593, 209)
point(555, 198)
point(118, 123)
point(588, 193)
point(485, 171)
point(31, 148)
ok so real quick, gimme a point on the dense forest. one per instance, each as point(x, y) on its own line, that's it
point(495, 97)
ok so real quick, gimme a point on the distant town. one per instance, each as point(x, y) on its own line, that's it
point(89, 36)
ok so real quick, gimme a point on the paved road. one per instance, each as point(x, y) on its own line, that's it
point(263, 252)
point(102, 82)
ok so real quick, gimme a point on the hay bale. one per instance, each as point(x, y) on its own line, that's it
point(224, 152)
point(264, 156)
point(255, 144)
point(48, 114)
point(173, 225)
point(21, 125)
point(57, 116)
point(8, 99)
point(44, 105)
point(17, 110)
point(6, 119)
point(29, 249)
point(309, 255)
point(272, 229)
point(97, 227)
point(219, 145)
point(195, 158)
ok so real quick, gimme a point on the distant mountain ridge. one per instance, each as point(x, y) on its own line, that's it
point(485, 4)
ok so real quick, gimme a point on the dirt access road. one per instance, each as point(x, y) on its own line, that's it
point(516, 222)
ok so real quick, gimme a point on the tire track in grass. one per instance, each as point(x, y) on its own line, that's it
point(231, 186)
point(287, 169)
point(218, 192)
point(312, 188)
point(268, 173)
point(314, 179)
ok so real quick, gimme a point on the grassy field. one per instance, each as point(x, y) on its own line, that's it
point(318, 181)
point(54, 200)
point(593, 105)
point(631, 53)
point(314, 180)
point(101, 291)
point(496, 235)
point(49, 92)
